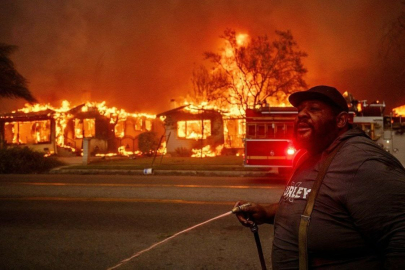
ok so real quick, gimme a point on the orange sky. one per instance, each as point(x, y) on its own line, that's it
point(138, 55)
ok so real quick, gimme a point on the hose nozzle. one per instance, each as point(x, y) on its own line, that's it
point(240, 208)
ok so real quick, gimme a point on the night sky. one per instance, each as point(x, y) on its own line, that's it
point(139, 55)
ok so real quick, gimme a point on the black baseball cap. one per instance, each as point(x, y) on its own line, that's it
point(321, 92)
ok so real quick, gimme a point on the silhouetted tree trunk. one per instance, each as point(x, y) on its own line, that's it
point(12, 83)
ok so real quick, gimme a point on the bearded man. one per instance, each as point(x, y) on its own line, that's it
point(355, 191)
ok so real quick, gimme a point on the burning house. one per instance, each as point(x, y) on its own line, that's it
point(63, 130)
point(34, 129)
point(191, 129)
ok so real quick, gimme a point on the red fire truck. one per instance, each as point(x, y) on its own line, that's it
point(269, 133)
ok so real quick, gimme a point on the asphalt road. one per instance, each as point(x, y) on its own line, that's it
point(98, 221)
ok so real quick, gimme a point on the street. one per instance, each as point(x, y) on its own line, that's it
point(97, 221)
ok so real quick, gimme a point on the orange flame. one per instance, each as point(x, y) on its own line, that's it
point(400, 111)
point(207, 152)
point(242, 39)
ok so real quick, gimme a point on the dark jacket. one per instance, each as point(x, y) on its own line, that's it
point(358, 221)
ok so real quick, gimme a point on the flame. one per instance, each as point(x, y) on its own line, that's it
point(359, 107)
point(207, 152)
point(242, 39)
point(43, 107)
point(162, 149)
point(107, 154)
point(194, 129)
point(123, 152)
point(114, 113)
point(400, 111)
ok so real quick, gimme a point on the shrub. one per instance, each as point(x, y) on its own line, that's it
point(182, 152)
point(24, 160)
point(148, 142)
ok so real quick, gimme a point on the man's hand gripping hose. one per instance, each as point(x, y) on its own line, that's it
point(254, 229)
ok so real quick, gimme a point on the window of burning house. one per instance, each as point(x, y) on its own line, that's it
point(148, 125)
point(143, 124)
point(138, 124)
point(120, 129)
point(128, 126)
point(194, 129)
point(85, 127)
point(32, 132)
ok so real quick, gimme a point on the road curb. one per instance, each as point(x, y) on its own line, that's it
point(66, 170)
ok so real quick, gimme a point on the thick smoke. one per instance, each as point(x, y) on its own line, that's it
point(139, 55)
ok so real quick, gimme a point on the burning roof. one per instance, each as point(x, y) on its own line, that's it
point(28, 116)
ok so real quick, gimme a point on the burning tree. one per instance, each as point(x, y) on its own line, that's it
point(246, 73)
point(209, 86)
point(12, 83)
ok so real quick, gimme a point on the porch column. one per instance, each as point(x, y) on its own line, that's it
point(86, 151)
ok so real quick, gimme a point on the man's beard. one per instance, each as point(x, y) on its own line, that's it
point(317, 139)
point(303, 141)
